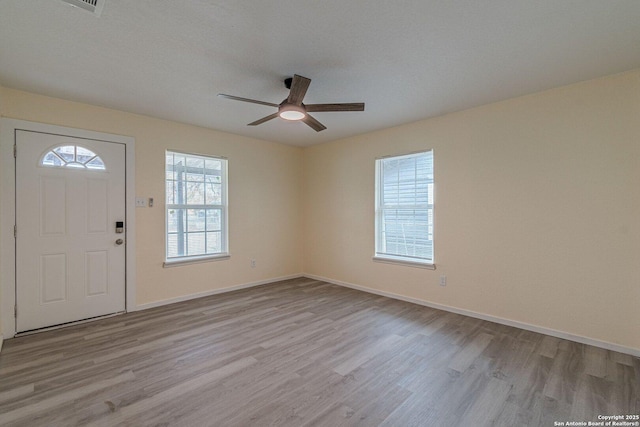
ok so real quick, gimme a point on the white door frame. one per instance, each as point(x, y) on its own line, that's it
point(8, 128)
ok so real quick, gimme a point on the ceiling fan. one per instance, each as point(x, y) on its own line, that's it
point(292, 108)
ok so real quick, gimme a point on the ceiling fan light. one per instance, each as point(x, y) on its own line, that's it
point(292, 112)
point(292, 115)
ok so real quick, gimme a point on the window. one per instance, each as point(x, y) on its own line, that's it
point(196, 200)
point(404, 209)
point(72, 156)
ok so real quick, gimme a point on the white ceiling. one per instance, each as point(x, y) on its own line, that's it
point(406, 59)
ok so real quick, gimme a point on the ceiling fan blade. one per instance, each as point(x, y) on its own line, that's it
point(353, 106)
point(264, 119)
point(253, 101)
point(313, 123)
point(299, 87)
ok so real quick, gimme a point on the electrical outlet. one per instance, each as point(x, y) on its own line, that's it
point(253, 263)
point(443, 280)
point(141, 202)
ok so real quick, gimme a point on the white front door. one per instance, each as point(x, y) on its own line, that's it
point(70, 260)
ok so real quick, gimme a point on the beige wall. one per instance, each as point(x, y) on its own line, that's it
point(537, 206)
point(2, 92)
point(264, 188)
point(537, 210)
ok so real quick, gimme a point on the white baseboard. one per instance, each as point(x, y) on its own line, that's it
point(534, 328)
point(214, 292)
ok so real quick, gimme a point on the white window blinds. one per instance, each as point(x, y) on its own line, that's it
point(196, 201)
point(404, 207)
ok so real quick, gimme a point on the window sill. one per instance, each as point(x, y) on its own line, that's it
point(195, 260)
point(409, 263)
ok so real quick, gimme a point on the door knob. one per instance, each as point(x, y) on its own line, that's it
point(119, 242)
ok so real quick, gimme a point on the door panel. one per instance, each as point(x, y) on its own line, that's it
point(97, 268)
point(53, 278)
point(53, 209)
point(97, 207)
point(68, 266)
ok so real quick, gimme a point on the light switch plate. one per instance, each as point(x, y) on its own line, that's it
point(141, 202)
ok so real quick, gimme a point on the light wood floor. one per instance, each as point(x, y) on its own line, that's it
point(302, 352)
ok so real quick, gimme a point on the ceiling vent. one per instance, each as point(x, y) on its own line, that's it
point(93, 6)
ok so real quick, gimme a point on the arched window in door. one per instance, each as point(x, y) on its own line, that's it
point(72, 156)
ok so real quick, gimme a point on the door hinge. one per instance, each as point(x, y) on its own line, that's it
point(15, 151)
point(15, 311)
point(15, 231)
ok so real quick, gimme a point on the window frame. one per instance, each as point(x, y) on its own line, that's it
point(70, 164)
point(224, 213)
point(379, 254)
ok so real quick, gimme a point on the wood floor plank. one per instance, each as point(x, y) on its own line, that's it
point(29, 364)
point(17, 392)
point(169, 394)
point(549, 346)
point(470, 352)
point(367, 354)
point(595, 361)
point(488, 404)
point(56, 401)
point(563, 377)
point(304, 352)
